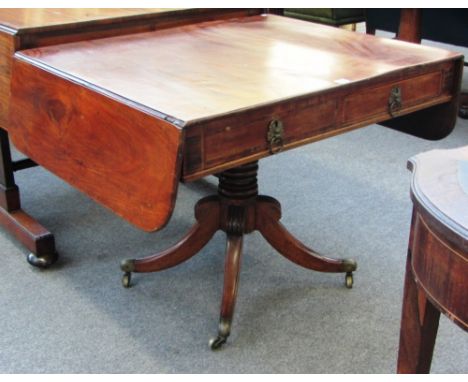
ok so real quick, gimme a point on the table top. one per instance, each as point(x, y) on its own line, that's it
point(208, 69)
point(20, 19)
point(125, 118)
point(440, 185)
point(31, 28)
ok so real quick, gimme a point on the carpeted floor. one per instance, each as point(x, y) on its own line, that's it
point(347, 196)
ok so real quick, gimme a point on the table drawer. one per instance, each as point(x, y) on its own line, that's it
point(232, 138)
point(374, 101)
point(223, 142)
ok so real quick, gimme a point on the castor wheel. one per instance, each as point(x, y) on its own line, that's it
point(217, 342)
point(126, 279)
point(349, 280)
point(43, 261)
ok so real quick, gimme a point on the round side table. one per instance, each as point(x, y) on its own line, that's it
point(437, 263)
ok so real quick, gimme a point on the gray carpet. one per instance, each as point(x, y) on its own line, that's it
point(347, 196)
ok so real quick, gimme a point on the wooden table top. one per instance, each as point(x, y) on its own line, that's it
point(199, 71)
point(20, 19)
point(32, 28)
point(125, 118)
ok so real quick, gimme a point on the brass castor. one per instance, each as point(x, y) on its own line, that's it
point(126, 279)
point(224, 330)
point(43, 261)
point(217, 342)
point(349, 280)
point(127, 266)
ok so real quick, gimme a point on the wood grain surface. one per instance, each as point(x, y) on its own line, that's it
point(7, 49)
point(20, 28)
point(27, 19)
point(124, 158)
point(214, 87)
point(36, 21)
point(29, 28)
point(203, 70)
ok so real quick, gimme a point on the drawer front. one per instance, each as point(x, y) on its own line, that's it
point(374, 101)
point(234, 137)
point(227, 141)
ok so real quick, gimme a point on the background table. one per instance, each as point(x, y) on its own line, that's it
point(437, 263)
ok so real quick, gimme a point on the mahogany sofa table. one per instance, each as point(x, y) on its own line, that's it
point(124, 119)
point(30, 28)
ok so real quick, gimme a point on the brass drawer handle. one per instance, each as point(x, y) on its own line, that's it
point(275, 136)
point(394, 101)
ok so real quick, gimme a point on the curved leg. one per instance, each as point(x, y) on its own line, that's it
point(231, 281)
point(207, 215)
point(268, 215)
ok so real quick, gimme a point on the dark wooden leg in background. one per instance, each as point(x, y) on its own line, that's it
point(29, 232)
point(410, 25)
point(419, 324)
point(9, 192)
point(369, 29)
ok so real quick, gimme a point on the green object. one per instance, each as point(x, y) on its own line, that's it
point(329, 16)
